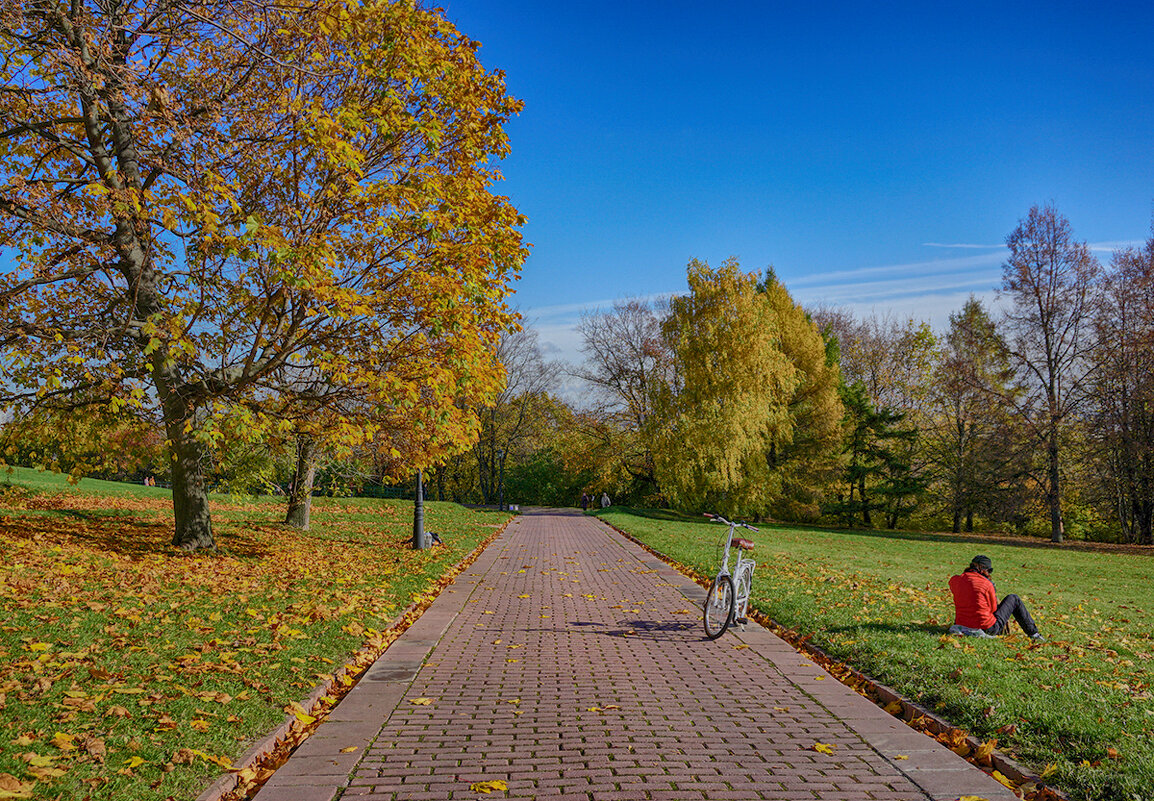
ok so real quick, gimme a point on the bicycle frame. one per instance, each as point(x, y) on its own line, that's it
point(730, 588)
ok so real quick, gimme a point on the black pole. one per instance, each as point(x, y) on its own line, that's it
point(501, 482)
point(419, 515)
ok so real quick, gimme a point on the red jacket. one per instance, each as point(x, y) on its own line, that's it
point(974, 600)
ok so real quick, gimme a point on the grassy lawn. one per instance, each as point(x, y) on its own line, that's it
point(129, 669)
point(1079, 704)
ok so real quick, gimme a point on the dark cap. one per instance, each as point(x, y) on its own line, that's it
point(982, 562)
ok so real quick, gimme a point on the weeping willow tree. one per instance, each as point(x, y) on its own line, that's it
point(748, 422)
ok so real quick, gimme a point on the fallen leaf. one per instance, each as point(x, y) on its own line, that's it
point(11, 787)
point(349, 750)
point(183, 756)
point(421, 701)
point(64, 741)
point(901, 756)
point(1001, 778)
point(133, 762)
point(489, 787)
point(823, 748)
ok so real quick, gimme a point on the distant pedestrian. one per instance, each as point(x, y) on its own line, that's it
point(976, 607)
point(605, 500)
point(584, 501)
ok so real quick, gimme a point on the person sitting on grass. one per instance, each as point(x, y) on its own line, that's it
point(976, 607)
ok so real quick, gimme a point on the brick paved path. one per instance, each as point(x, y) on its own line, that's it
point(570, 664)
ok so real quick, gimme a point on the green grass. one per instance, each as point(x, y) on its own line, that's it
point(879, 601)
point(127, 667)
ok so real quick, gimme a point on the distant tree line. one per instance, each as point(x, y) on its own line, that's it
point(1033, 416)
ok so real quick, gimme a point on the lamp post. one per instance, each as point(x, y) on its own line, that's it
point(419, 543)
point(501, 480)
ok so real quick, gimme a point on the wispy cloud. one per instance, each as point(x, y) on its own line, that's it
point(998, 246)
point(922, 268)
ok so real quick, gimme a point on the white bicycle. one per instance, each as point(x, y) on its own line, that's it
point(727, 603)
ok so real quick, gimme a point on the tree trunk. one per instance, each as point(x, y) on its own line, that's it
point(189, 494)
point(1053, 491)
point(301, 497)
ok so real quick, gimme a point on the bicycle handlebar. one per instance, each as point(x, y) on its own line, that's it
point(716, 518)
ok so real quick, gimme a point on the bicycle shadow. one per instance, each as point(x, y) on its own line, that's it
point(634, 628)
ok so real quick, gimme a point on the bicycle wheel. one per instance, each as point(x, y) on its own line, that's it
point(719, 607)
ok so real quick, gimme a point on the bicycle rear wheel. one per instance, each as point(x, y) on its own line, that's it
point(718, 607)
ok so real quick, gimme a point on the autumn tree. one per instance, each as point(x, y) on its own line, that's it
point(809, 458)
point(203, 195)
point(1121, 410)
point(1048, 281)
point(887, 370)
point(624, 360)
point(510, 421)
point(979, 459)
point(726, 400)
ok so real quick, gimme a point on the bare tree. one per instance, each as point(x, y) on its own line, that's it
point(1048, 279)
point(506, 423)
point(624, 354)
point(1122, 415)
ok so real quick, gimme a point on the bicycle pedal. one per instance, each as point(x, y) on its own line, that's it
point(741, 621)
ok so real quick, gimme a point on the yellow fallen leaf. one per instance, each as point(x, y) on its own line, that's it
point(349, 750)
point(823, 748)
point(894, 707)
point(1001, 779)
point(488, 787)
point(133, 762)
point(781, 709)
point(421, 701)
point(819, 678)
point(511, 661)
point(972, 798)
point(223, 761)
point(522, 596)
point(1050, 770)
point(901, 756)
point(740, 647)
point(300, 714)
point(64, 741)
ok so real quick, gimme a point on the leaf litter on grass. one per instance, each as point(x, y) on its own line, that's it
point(131, 669)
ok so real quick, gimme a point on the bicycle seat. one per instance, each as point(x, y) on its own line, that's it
point(743, 544)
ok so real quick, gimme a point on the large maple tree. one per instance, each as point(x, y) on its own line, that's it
point(205, 200)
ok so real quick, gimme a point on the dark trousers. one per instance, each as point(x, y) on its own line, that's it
point(1012, 605)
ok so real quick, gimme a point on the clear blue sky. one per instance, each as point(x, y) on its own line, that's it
point(877, 154)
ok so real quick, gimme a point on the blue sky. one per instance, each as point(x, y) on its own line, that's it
point(876, 154)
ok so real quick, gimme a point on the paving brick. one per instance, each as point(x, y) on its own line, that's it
point(570, 663)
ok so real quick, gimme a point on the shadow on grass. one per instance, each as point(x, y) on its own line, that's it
point(653, 514)
point(935, 630)
point(123, 534)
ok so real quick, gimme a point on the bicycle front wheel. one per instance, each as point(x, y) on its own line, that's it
point(719, 607)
